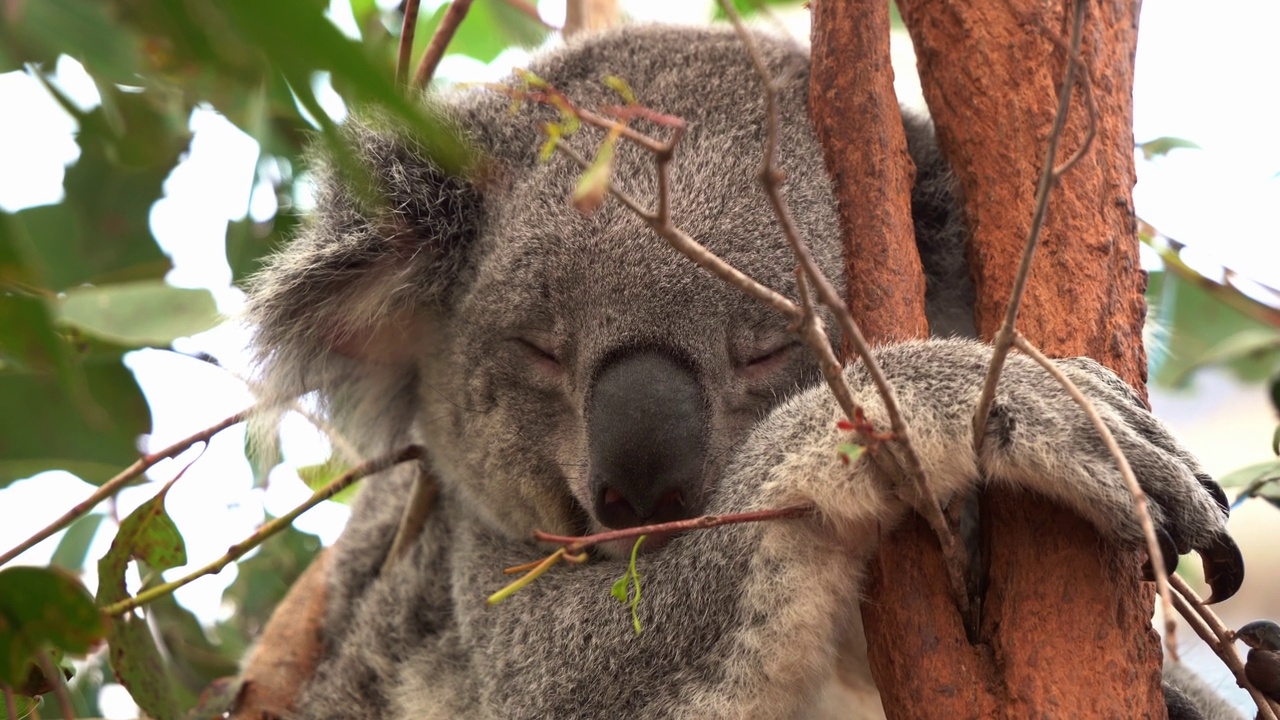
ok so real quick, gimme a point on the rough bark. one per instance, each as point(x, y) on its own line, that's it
point(289, 650)
point(856, 115)
point(1065, 627)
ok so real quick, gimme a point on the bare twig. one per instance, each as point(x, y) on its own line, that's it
point(421, 501)
point(691, 248)
point(407, 30)
point(1219, 639)
point(1224, 292)
point(439, 41)
point(410, 452)
point(574, 545)
point(1154, 555)
point(771, 179)
point(112, 486)
point(1049, 177)
point(53, 674)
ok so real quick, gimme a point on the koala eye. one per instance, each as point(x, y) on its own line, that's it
point(539, 353)
point(770, 359)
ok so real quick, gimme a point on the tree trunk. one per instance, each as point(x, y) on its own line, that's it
point(1065, 628)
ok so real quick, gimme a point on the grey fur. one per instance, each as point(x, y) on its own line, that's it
point(412, 324)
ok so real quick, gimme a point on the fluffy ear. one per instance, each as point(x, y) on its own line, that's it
point(341, 310)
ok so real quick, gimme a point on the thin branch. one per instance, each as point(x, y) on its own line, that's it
point(439, 41)
point(421, 501)
point(409, 452)
point(1154, 556)
point(53, 674)
point(10, 704)
point(574, 545)
point(1219, 639)
point(112, 486)
point(407, 30)
point(1048, 179)
point(692, 249)
point(771, 179)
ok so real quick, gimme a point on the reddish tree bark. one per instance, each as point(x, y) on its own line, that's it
point(856, 115)
point(289, 650)
point(1065, 627)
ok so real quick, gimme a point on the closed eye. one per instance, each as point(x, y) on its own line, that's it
point(539, 354)
point(769, 360)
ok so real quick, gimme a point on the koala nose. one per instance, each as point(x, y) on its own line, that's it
point(646, 437)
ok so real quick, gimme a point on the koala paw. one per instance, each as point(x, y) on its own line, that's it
point(1040, 429)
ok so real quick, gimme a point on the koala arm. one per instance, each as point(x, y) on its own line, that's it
point(745, 621)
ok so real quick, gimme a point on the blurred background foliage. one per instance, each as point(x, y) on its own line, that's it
point(83, 283)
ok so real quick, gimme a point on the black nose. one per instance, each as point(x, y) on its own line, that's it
point(646, 435)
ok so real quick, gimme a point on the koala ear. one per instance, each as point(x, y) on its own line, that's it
point(344, 307)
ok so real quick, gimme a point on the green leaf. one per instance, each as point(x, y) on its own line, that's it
point(589, 193)
point(140, 667)
point(1249, 344)
point(264, 579)
point(317, 476)
point(249, 243)
point(140, 313)
point(1253, 473)
point(94, 436)
point(849, 452)
point(42, 608)
point(1196, 324)
point(74, 546)
point(619, 589)
point(100, 233)
point(1163, 146)
point(192, 659)
point(148, 535)
point(299, 41)
point(1275, 441)
point(40, 30)
point(489, 28)
point(630, 577)
point(747, 8)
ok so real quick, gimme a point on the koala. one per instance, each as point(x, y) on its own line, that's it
point(571, 373)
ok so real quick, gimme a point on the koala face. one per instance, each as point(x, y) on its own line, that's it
point(566, 372)
point(615, 373)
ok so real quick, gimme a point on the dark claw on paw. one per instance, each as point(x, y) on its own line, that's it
point(1216, 491)
point(1223, 568)
point(1168, 551)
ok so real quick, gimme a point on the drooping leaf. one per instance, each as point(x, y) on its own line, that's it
point(94, 436)
point(489, 28)
point(38, 32)
point(317, 476)
point(1163, 146)
point(74, 546)
point(1196, 324)
point(140, 667)
point(265, 577)
point(149, 535)
point(140, 313)
point(42, 608)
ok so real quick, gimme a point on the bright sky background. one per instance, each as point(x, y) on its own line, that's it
point(1205, 72)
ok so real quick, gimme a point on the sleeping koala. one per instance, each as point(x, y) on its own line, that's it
point(571, 373)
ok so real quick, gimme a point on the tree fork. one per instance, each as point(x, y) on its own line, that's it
point(990, 72)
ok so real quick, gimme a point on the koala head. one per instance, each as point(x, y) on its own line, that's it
point(566, 372)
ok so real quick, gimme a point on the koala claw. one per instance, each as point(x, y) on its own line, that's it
point(1223, 567)
point(1168, 552)
point(1215, 490)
